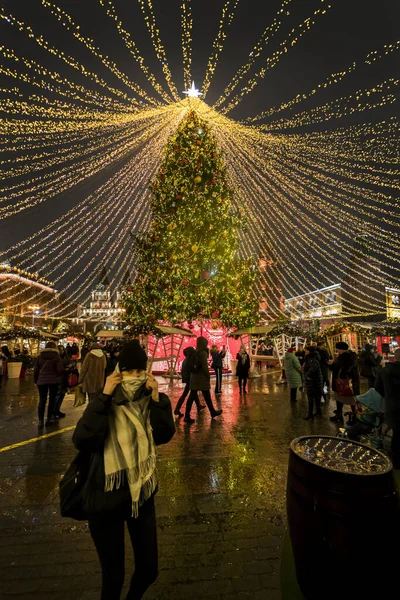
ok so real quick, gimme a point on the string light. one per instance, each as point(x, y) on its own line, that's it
point(301, 189)
point(150, 20)
point(255, 53)
point(294, 36)
point(133, 49)
point(228, 14)
point(187, 25)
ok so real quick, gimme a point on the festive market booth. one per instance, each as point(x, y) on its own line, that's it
point(165, 349)
point(387, 338)
point(252, 337)
point(356, 335)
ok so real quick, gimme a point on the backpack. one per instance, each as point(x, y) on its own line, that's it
point(192, 362)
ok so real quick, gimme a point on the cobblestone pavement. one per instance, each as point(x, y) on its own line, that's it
point(220, 507)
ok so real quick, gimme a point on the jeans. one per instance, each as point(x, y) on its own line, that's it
point(193, 397)
point(218, 381)
point(59, 400)
point(108, 534)
point(183, 398)
point(51, 389)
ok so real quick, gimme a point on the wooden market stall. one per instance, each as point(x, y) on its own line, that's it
point(162, 348)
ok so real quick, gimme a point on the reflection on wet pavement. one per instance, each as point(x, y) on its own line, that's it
point(220, 506)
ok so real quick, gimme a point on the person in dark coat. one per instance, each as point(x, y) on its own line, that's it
point(188, 352)
point(84, 352)
point(200, 381)
point(343, 367)
point(47, 373)
point(369, 365)
point(242, 368)
point(324, 362)
point(217, 364)
point(115, 430)
point(387, 384)
point(313, 381)
point(63, 385)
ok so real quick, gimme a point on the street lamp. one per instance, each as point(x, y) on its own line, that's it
point(35, 310)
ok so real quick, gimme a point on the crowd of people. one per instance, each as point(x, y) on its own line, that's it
point(58, 368)
point(307, 370)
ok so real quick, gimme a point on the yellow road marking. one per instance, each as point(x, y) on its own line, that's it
point(36, 439)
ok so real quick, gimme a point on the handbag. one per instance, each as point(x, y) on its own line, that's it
point(344, 387)
point(80, 396)
point(162, 420)
point(73, 379)
point(71, 487)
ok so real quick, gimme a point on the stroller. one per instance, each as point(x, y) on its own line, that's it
point(369, 427)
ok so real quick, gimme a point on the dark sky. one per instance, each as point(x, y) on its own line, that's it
point(349, 30)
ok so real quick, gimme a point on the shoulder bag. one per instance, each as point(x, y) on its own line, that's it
point(71, 487)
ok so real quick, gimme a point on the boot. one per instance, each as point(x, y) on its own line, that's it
point(309, 416)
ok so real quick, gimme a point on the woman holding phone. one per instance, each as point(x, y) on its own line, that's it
point(115, 428)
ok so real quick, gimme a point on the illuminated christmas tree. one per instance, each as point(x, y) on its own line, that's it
point(188, 264)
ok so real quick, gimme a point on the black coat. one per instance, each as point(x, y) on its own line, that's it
point(242, 369)
point(368, 364)
point(346, 365)
point(200, 380)
point(388, 385)
point(313, 374)
point(89, 437)
point(217, 359)
point(324, 358)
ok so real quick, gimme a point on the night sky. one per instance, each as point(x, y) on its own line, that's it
point(349, 30)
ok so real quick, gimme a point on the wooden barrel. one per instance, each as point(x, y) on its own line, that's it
point(342, 509)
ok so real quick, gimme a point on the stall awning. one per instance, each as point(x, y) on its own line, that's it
point(256, 330)
point(110, 333)
point(52, 336)
point(166, 330)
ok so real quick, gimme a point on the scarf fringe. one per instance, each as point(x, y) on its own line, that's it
point(115, 480)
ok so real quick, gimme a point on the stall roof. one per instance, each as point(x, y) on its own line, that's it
point(110, 333)
point(47, 334)
point(175, 331)
point(164, 329)
point(256, 330)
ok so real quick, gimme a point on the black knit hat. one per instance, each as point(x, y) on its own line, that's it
point(342, 346)
point(132, 356)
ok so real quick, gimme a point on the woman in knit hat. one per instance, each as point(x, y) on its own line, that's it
point(115, 429)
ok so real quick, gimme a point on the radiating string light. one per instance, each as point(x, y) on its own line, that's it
point(150, 20)
point(187, 25)
point(133, 49)
point(255, 53)
point(227, 16)
point(329, 81)
point(317, 189)
point(294, 36)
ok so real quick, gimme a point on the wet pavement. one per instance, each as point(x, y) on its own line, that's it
point(220, 506)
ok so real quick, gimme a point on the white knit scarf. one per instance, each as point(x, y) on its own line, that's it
point(129, 451)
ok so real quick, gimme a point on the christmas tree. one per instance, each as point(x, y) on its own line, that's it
point(187, 262)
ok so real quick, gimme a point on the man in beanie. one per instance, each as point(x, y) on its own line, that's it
point(93, 371)
point(200, 381)
point(344, 366)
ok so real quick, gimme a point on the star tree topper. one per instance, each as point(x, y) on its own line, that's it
point(192, 92)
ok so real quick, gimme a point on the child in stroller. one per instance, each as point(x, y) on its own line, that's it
point(369, 418)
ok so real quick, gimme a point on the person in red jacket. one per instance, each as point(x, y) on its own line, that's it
point(49, 369)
